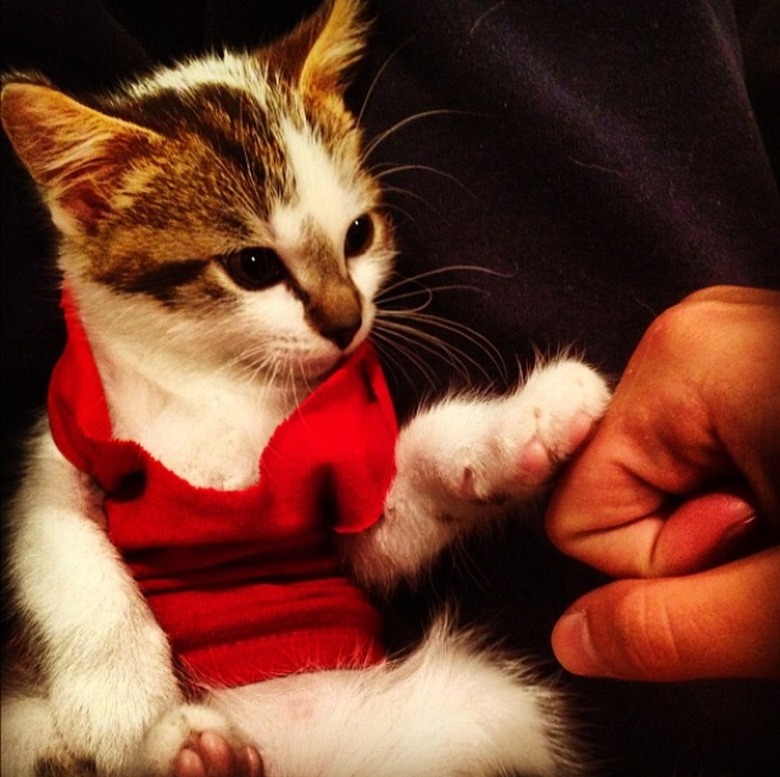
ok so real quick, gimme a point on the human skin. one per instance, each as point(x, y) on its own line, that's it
point(680, 476)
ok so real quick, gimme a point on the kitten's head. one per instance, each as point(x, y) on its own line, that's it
point(221, 208)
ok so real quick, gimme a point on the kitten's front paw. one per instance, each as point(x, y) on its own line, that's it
point(100, 726)
point(194, 741)
point(461, 463)
point(484, 453)
point(550, 416)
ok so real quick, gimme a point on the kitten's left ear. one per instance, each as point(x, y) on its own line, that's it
point(321, 50)
point(73, 152)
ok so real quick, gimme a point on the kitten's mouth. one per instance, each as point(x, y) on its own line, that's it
point(318, 368)
point(318, 373)
point(321, 369)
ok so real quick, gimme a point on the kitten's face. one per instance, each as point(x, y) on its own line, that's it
point(220, 209)
point(252, 218)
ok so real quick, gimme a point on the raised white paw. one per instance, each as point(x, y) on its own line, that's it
point(194, 740)
point(550, 416)
point(465, 461)
point(466, 453)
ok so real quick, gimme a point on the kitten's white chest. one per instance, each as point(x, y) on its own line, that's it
point(209, 430)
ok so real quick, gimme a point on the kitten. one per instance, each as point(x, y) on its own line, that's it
point(222, 244)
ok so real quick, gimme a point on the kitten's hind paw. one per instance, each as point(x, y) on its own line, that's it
point(209, 754)
point(194, 740)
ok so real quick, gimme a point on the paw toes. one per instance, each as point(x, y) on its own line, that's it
point(578, 430)
point(535, 462)
point(569, 434)
point(188, 763)
point(252, 762)
point(541, 455)
point(209, 754)
point(195, 740)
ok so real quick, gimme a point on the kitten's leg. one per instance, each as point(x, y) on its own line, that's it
point(105, 665)
point(31, 742)
point(450, 708)
point(466, 461)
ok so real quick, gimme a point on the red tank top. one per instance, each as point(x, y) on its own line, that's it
point(246, 583)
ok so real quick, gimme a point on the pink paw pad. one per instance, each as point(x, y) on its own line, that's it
point(209, 754)
point(578, 431)
point(537, 461)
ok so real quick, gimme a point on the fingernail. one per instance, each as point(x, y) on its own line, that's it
point(735, 539)
point(573, 646)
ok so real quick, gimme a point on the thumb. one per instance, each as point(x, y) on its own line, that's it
point(724, 622)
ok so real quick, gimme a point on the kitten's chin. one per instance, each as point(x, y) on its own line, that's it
point(308, 371)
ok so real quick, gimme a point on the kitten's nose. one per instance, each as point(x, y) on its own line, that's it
point(337, 314)
point(343, 335)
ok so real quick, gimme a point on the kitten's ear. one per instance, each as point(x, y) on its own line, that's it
point(74, 153)
point(323, 48)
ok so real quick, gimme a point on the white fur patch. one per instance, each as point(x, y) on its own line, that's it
point(108, 667)
point(451, 708)
point(322, 193)
point(227, 69)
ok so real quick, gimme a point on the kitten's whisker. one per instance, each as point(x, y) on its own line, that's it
point(466, 332)
point(459, 358)
point(404, 344)
point(422, 291)
point(304, 378)
point(379, 139)
point(449, 268)
point(378, 76)
point(386, 348)
point(427, 169)
point(386, 345)
point(425, 341)
point(428, 293)
point(407, 193)
point(294, 381)
point(392, 169)
point(399, 209)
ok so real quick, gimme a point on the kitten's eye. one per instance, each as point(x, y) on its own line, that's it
point(254, 268)
point(359, 237)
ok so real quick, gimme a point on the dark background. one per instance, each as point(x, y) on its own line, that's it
point(601, 159)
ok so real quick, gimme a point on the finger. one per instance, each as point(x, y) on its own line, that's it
point(721, 623)
point(704, 531)
point(656, 444)
point(602, 512)
point(734, 295)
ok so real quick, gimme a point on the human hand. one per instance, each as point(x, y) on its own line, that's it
point(683, 468)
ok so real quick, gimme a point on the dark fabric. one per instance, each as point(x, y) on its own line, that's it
point(603, 160)
point(599, 160)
